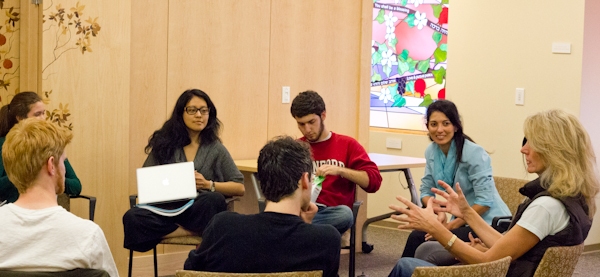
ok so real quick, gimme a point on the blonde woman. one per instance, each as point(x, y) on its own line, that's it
point(558, 211)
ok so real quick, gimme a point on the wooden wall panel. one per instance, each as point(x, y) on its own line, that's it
point(95, 85)
point(364, 84)
point(222, 48)
point(148, 96)
point(315, 45)
point(29, 45)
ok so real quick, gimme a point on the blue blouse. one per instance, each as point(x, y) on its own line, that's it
point(474, 174)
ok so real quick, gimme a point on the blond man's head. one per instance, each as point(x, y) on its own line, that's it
point(27, 148)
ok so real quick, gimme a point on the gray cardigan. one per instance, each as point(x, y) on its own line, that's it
point(212, 160)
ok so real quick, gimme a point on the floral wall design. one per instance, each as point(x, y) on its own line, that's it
point(408, 60)
point(9, 49)
point(73, 33)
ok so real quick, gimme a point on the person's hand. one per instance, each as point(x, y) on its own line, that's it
point(328, 169)
point(477, 243)
point(417, 218)
point(201, 183)
point(308, 213)
point(455, 203)
point(429, 237)
point(442, 218)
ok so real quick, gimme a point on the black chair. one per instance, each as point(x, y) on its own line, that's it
point(64, 200)
point(78, 272)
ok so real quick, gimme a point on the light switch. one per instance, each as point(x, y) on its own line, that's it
point(520, 97)
point(285, 95)
point(561, 48)
point(393, 143)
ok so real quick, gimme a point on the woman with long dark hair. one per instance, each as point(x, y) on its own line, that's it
point(191, 134)
point(558, 211)
point(453, 157)
point(25, 105)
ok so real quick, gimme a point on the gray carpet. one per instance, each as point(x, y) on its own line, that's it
point(389, 244)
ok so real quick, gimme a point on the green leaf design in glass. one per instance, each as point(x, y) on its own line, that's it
point(379, 17)
point(382, 48)
point(400, 102)
point(404, 2)
point(437, 37)
point(410, 86)
point(393, 89)
point(376, 58)
point(410, 19)
point(426, 101)
point(439, 55)
point(423, 66)
point(411, 64)
point(444, 2)
point(404, 55)
point(439, 75)
point(387, 70)
point(376, 77)
point(444, 47)
point(402, 67)
point(437, 10)
point(394, 42)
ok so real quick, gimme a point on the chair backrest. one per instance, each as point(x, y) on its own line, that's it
point(508, 188)
point(189, 273)
point(78, 272)
point(186, 240)
point(497, 268)
point(559, 261)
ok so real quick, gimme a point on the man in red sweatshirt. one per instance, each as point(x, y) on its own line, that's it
point(341, 159)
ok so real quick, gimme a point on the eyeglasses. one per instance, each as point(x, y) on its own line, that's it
point(191, 110)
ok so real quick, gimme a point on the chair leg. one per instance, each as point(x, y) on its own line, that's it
point(352, 262)
point(352, 251)
point(155, 264)
point(130, 262)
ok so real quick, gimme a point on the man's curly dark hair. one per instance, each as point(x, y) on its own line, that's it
point(307, 102)
point(281, 163)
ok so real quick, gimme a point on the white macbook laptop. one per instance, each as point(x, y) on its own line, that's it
point(166, 183)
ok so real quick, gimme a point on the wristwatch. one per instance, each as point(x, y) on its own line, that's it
point(450, 242)
point(212, 186)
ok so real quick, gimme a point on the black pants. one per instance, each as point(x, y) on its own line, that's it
point(417, 237)
point(145, 229)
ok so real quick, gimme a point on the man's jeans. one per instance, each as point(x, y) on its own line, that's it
point(340, 217)
point(406, 266)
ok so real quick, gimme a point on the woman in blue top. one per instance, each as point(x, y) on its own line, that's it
point(453, 157)
point(25, 105)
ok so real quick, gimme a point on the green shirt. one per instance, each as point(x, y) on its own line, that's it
point(9, 192)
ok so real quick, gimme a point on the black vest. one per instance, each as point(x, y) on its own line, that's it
point(574, 234)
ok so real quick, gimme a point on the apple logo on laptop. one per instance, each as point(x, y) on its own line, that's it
point(165, 182)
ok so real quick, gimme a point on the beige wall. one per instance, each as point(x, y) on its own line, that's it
point(493, 49)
